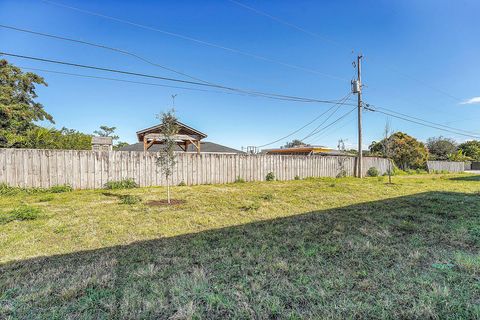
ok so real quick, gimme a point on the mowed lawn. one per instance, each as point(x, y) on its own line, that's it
point(307, 249)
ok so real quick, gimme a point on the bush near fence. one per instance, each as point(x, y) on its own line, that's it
point(93, 169)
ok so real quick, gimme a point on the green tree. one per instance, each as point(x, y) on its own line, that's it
point(106, 131)
point(294, 143)
point(18, 109)
point(471, 149)
point(166, 158)
point(406, 151)
point(44, 138)
point(441, 148)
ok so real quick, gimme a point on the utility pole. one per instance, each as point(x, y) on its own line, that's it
point(359, 93)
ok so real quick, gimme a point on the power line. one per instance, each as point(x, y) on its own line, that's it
point(286, 23)
point(129, 81)
point(419, 119)
point(303, 127)
point(102, 47)
point(424, 124)
point(257, 93)
point(296, 27)
point(184, 37)
point(335, 121)
point(313, 132)
point(321, 135)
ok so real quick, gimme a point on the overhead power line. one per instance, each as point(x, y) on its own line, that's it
point(369, 107)
point(129, 81)
point(256, 93)
point(207, 43)
point(304, 126)
point(296, 27)
point(286, 23)
point(425, 124)
point(102, 47)
point(334, 122)
point(313, 132)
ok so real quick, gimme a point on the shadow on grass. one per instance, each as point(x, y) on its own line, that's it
point(466, 178)
point(370, 260)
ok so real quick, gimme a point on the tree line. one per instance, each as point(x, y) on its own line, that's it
point(20, 115)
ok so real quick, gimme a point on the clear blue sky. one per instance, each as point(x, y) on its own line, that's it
point(433, 41)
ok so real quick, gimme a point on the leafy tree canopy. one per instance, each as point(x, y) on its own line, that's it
point(294, 143)
point(45, 138)
point(406, 151)
point(18, 109)
point(106, 131)
point(441, 148)
point(471, 149)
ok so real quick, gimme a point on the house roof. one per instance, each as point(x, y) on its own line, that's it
point(205, 147)
point(184, 129)
point(298, 150)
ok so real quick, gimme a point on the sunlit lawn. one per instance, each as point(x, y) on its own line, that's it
point(315, 248)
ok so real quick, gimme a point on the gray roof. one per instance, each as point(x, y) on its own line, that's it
point(205, 147)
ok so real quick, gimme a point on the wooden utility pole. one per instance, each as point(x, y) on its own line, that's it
point(360, 154)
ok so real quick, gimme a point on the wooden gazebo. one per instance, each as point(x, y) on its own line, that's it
point(186, 136)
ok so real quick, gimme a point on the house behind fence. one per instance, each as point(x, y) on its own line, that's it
point(92, 169)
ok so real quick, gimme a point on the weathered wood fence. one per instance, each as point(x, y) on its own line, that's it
point(449, 166)
point(92, 169)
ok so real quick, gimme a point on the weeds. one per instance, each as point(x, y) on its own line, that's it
point(239, 180)
point(129, 199)
point(270, 176)
point(20, 214)
point(121, 184)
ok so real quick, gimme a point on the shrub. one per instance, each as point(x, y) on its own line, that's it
point(20, 214)
point(239, 180)
point(373, 172)
point(129, 199)
point(270, 176)
point(182, 184)
point(297, 178)
point(61, 188)
point(121, 184)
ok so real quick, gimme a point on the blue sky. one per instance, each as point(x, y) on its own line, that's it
point(421, 58)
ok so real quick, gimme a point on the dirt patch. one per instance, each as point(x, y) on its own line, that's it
point(161, 203)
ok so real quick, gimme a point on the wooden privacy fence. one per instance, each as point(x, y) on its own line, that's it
point(449, 166)
point(92, 169)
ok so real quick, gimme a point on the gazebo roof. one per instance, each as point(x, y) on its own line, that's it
point(184, 130)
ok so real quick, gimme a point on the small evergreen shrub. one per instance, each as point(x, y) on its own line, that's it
point(270, 176)
point(182, 184)
point(297, 178)
point(373, 172)
point(121, 184)
point(129, 199)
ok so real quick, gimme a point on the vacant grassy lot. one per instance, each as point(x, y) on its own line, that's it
point(317, 248)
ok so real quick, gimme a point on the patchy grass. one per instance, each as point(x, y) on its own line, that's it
point(316, 248)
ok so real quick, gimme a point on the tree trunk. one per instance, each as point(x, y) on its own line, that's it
point(168, 191)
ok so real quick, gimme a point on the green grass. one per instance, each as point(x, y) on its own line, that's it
point(315, 248)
